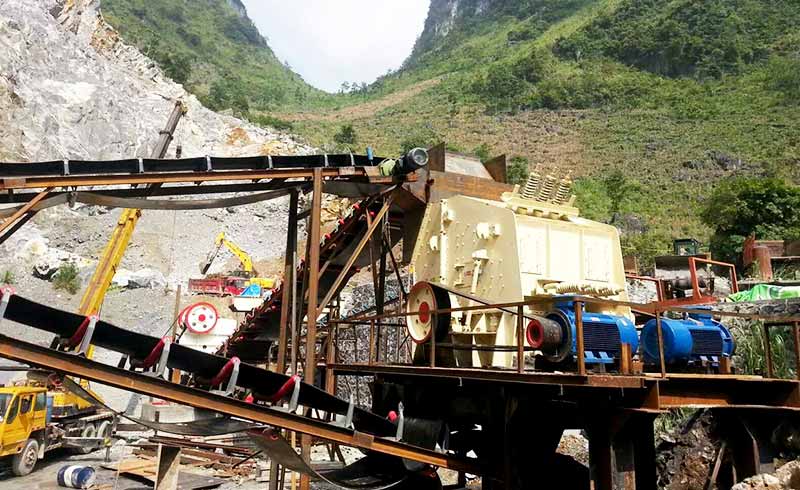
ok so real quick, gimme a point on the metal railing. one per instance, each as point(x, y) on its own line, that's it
point(627, 360)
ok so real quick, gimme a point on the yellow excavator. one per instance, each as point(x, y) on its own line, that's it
point(238, 280)
point(39, 415)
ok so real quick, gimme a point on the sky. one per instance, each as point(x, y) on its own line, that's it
point(332, 41)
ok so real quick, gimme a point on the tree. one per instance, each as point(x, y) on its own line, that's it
point(346, 135)
point(518, 170)
point(741, 206)
point(784, 76)
point(617, 188)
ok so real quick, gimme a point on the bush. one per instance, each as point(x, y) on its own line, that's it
point(525, 32)
point(266, 120)
point(177, 66)
point(483, 152)
point(534, 66)
point(592, 85)
point(346, 136)
point(742, 206)
point(67, 279)
point(592, 199)
point(618, 187)
point(8, 277)
point(422, 136)
point(750, 356)
point(228, 93)
point(499, 87)
point(783, 75)
point(518, 170)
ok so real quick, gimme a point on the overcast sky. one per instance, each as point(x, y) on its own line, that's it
point(332, 41)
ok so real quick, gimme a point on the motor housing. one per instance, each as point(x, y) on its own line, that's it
point(696, 338)
point(603, 335)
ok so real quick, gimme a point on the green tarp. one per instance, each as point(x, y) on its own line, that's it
point(766, 291)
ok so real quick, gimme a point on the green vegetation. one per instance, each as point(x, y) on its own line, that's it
point(8, 278)
point(751, 357)
point(66, 278)
point(650, 104)
point(214, 51)
point(346, 137)
point(518, 170)
point(685, 37)
point(266, 120)
point(418, 136)
point(740, 207)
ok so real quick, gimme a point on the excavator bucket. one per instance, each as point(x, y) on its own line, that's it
point(206, 264)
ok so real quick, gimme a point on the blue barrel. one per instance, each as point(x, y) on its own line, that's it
point(74, 476)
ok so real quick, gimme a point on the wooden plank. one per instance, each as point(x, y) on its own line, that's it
point(168, 468)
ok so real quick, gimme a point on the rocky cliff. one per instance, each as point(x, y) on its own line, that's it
point(71, 88)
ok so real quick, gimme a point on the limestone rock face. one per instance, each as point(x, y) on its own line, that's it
point(71, 88)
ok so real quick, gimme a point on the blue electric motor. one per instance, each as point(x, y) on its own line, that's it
point(603, 335)
point(697, 338)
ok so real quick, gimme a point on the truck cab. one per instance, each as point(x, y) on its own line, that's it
point(22, 429)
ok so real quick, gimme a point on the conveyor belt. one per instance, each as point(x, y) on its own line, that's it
point(203, 366)
point(132, 166)
point(261, 326)
point(98, 199)
point(371, 431)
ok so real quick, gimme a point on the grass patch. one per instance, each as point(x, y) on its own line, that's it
point(66, 278)
point(8, 277)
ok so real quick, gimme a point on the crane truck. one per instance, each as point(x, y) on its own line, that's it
point(38, 414)
point(31, 424)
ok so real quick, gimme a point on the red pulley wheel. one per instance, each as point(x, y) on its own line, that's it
point(200, 318)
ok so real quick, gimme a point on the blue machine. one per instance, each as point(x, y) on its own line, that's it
point(603, 335)
point(697, 338)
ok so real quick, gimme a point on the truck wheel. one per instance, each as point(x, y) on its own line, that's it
point(104, 429)
point(89, 430)
point(23, 462)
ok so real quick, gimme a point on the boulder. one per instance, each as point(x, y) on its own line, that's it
point(761, 482)
point(144, 278)
point(789, 475)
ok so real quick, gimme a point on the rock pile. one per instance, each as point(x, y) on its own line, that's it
point(71, 88)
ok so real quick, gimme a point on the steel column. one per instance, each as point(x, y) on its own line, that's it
point(312, 312)
point(289, 274)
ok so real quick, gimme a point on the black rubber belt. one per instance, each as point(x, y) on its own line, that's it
point(152, 204)
point(202, 365)
point(133, 166)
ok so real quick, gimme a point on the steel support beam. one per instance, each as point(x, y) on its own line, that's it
point(64, 362)
point(24, 210)
point(354, 256)
point(312, 311)
point(289, 274)
point(183, 177)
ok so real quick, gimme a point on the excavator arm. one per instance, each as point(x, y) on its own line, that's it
point(244, 257)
